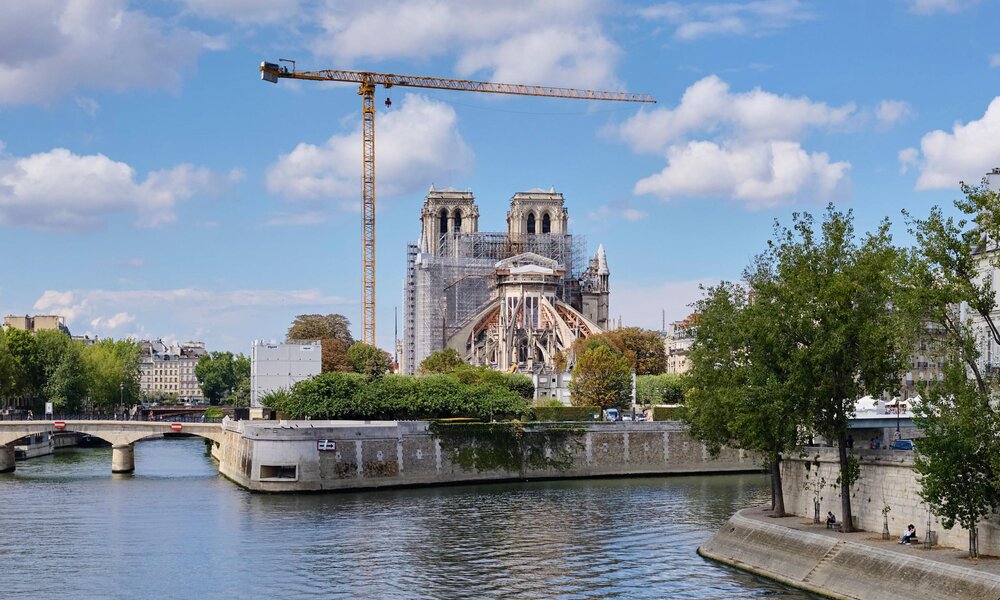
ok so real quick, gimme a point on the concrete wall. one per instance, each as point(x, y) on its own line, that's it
point(887, 478)
point(286, 456)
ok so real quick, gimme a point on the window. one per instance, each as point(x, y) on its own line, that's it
point(443, 221)
point(278, 472)
point(458, 220)
point(531, 223)
point(546, 223)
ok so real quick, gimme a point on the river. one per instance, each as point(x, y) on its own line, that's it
point(177, 529)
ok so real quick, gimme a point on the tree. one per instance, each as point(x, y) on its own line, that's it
point(334, 333)
point(442, 361)
point(852, 329)
point(28, 374)
point(220, 373)
point(112, 372)
point(958, 461)
point(667, 388)
point(602, 377)
point(368, 360)
point(647, 348)
point(66, 388)
point(742, 392)
point(334, 355)
point(950, 270)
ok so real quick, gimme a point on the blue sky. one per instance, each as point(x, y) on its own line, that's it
point(152, 185)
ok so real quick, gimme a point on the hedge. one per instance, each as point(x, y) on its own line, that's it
point(565, 413)
point(669, 412)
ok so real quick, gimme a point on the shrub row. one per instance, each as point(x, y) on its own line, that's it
point(672, 412)
point(473, 392)
point(566, 413)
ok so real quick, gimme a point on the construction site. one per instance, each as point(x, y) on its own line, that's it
point(509, 300)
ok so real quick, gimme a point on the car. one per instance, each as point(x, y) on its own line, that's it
point(902, 445)
point(611, 414)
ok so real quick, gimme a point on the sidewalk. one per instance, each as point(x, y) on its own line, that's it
point(938, 554)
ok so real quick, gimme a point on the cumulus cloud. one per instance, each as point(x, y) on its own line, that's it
point(699, 20)
point(619, 209)
point(890, 112)
point(417, 143)
point(62, 191)
point(930, 7)
point(113, 322)
point(49, 47)
point(964, 154)
point(761, 174)
point(709, 106)
point(512, 41)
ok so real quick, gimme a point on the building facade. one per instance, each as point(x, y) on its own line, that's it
point(501, 299)
point(35, 323)
point(280, 365)
point(677, 341)
point(166, 371)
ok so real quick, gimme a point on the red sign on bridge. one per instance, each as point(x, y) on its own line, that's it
point(59, 425)
point(176, 426)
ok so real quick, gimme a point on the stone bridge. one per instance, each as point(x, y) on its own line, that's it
point(122, 435)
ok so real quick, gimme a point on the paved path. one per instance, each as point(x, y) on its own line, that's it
point(941, 554)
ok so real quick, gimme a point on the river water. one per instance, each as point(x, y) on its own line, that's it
point(177, 529)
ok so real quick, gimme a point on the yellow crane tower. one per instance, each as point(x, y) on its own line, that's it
point(367, 81)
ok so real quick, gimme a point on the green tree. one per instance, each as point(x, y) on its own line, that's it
point(647, 348)
point(959, 466)
point(66, 387)
point(368, 360)
point(602, 377)
point(442, 361)
point(220, 373)
point(667, 388)
point(112, 371)
point(28, 374)
point(8, 370)
point(742, 392)
point(845, 304)
point(334, 333)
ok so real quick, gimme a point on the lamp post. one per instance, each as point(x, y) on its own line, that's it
point(121, 399)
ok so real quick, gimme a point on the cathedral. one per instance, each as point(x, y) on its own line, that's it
point(508, 300)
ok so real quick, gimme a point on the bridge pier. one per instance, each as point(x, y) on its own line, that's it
point(123, 458)
point(7, 464)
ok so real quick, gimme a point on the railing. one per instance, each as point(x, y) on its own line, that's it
point(118, 417)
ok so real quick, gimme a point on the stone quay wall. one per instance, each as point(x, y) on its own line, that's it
point(887, 478)
point(305, 456)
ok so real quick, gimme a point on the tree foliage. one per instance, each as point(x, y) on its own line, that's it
point(334, 355)
point(334, 333)
point(112, 371)
point(368, 360)
point(643, 349)
point(667, 388)
point(602, 377)
point(440, 362)
point(221, 373)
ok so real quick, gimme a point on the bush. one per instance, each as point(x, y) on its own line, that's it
point(565, 413)
point(670, 412)
point(659, 389)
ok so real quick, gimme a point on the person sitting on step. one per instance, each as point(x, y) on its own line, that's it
point(910, 534)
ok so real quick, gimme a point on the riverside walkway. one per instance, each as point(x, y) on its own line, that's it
point(859, 565)
point(122, 435)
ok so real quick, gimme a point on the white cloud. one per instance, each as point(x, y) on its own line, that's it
point(49, 47)
point(617, 209)
point(698, 20)
point(908, 157)
point(760, 174)
point(62, 191)
point(510, 41)
point(994, 60)
point(417, 143)
point(88, 105)
point(113, 322)
point(929, 7)
point(647, 305)
point(708, 106)
point(135, 263)
point(246, 11)
point(890, 112)
point(964, 154)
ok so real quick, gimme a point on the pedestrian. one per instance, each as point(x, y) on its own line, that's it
point(850, 441)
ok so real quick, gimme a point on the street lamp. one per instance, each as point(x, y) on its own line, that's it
point(121, 399)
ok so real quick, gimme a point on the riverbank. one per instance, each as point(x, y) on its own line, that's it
point(310, 456)
point(857, 566)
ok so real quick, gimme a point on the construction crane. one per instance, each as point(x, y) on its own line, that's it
point(367, 81)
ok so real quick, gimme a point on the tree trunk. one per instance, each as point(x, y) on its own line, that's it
point(845, 485)
point(973, 542)
point(777, 494)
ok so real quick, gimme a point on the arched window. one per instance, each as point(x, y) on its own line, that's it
point(458, 220)
point(443, 225)
point(531, 223)
point(546, 223)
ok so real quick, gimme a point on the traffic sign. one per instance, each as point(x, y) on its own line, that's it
point(176, 426)
point(59, 424)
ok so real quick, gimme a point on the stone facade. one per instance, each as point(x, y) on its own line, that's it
point(887, 479)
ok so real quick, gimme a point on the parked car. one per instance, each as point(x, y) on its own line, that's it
point(611, 414)
point(902, 445)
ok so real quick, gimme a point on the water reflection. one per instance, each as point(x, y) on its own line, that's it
point(175, 529)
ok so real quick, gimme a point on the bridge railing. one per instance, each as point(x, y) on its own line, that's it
point(117, 417)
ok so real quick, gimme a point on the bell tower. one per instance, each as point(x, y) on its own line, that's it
point(536, 212)
point(446, 213)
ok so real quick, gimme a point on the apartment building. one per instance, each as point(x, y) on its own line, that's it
point(167, 370)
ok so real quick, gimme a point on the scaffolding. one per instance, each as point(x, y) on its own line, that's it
point(444, 290)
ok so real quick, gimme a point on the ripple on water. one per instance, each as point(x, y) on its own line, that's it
point(175, 529)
